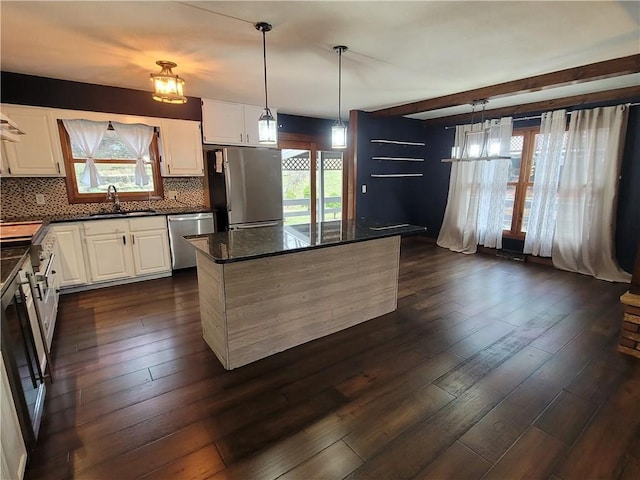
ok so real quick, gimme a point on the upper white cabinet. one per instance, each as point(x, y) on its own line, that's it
point(226, 123)
point(181, 148)
point(38, 151)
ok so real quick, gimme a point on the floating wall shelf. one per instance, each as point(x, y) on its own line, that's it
point(399, 159)
point(395, 175)
point(398, 142)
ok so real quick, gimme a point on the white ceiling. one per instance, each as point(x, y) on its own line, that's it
point(399, 52)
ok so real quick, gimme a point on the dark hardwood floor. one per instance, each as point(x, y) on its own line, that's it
point(490, 368)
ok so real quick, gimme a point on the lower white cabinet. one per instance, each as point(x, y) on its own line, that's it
point(108, 255)
point(70, 264)
point(109, 250)
point(150, 245)
point(13, 451)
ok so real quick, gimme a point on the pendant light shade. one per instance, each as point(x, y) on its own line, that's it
point(339, 129)
point(267, 130)
point(167, 87)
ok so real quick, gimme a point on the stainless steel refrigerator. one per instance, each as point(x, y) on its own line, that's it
point(245, 187)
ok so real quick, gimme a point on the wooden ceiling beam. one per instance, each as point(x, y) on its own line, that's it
point(618, 94)
point(585, 73)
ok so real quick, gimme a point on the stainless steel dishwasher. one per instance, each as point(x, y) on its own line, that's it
point(183, 255)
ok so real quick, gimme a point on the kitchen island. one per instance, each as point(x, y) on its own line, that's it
point(265, 290)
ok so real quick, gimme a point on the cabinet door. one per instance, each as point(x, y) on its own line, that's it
point(222, 123)
point(150, 252)
point(38, 153)
point(12, 448)
point(182, 148)
point(70, 259)
point(109, 256)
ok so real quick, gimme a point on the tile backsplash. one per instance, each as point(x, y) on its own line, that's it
point(18, 197)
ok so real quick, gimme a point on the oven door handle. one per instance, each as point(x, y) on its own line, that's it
point(47, 271)
point(39, 320)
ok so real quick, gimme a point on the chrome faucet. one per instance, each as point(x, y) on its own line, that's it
point(113, 197)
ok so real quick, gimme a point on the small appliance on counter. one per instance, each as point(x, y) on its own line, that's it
point(245, 187)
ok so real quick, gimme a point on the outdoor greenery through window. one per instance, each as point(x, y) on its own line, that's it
point(299, 204)
point(116, 165)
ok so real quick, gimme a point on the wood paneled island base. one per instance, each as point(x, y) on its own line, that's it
point(257, 307)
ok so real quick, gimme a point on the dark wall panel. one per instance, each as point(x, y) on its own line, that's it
point(31, 90)
point(305, 125)
point(389, 200)
point(49, 92)
point(628, 214)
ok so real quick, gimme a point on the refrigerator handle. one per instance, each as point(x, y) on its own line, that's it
point(227, 184)
point(255, 225)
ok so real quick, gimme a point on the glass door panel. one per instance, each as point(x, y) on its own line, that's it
point(296, 186)
point(329, 185)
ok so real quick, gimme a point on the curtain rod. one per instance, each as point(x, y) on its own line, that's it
point(534, 117)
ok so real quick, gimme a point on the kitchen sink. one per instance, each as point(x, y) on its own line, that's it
point(121, 214)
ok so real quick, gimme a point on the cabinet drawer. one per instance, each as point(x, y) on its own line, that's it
point(99, 227)
point(158, 222)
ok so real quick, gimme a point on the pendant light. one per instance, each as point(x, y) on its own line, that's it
point(339, 129)
point(267, 130)
point(167, 87)
point(477, 143)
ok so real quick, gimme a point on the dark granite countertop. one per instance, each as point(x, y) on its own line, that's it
point(11, 259)
point(246, 244)
point(81, 217)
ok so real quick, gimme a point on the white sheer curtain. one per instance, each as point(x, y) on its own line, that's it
point(137, 138)
point(583, 241)
point(548, 163)
point(87, 135)
point(477, 190)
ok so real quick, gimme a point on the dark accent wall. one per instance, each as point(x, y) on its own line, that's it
point(628, 214)
point(422, 201)
point(389, 200)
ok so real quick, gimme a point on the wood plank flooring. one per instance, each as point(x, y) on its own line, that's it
point(490, 368)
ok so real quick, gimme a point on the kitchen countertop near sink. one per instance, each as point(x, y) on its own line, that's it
point(109, 215)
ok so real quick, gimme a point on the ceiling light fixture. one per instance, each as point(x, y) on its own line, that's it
point(267, 130)
point(167, 87)
point(478, 143)
point(339, 129)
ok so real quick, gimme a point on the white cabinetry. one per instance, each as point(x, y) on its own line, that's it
point(121, 249)
point(109, 256)
point(181, 148)
point(38, 153)
point(12, 447)
point(228, 123)
point(150, 245)
point(70, 258)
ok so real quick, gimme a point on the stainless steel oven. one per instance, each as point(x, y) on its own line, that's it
point(20, 345)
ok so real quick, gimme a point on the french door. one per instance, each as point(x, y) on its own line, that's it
point(311, 183)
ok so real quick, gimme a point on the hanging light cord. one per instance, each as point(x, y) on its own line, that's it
point(340, 84)
point(264, 58)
